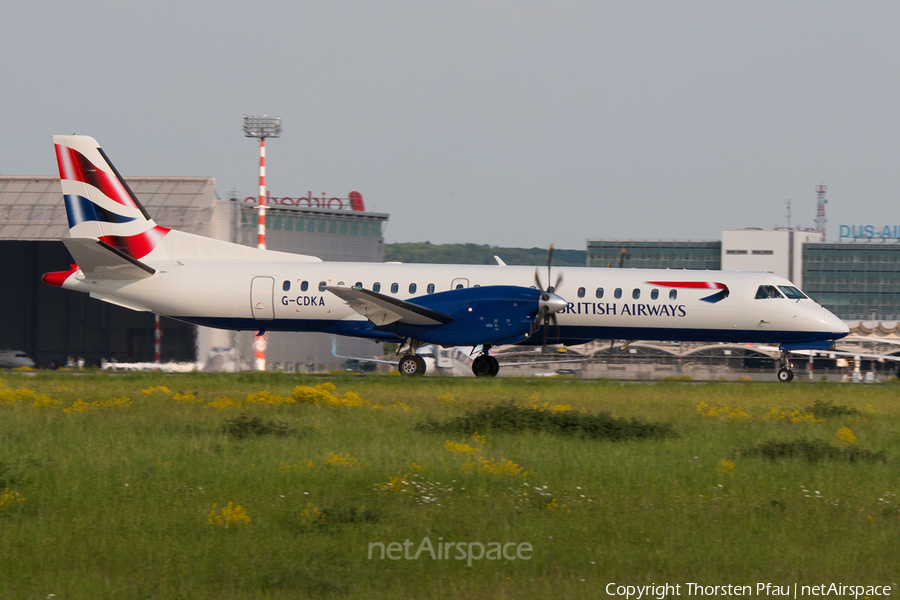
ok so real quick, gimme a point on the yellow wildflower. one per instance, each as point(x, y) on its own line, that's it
point(223, 403)
point(156, 389)
point(311, 514)
point(725, 467)
point(340, 460)
point(456, 447)
point(267, 397)
point(233, 514)
point(493, 466)
point(303, 465)
point(10, 498)
point(845, 437)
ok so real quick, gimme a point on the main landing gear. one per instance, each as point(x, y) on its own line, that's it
point(412, 364)
point(785, 373)
point(485, 365)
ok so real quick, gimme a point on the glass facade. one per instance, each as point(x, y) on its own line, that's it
point(655, 254)
point(854, 280)
point(342, 223)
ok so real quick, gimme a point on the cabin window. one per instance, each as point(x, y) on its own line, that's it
point(304, 286)
point(430, 288)
point(412, 288)
point(599, 293)
point(768, 291)
point(581, 292)
point(340, 283)
point(654, 294)
point(459, 286)
point(358, 285)
point(673, 294)
point(322, 285)
point(376, 287)
point(286, 286)
point(395, 287)
point(636, 293)
point(618, 293)
point(792, 292)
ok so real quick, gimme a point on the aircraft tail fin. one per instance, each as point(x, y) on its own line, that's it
point(99, 204)
point(102, 208)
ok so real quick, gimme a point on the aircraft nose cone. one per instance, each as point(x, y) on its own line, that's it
point(835, 325)
point(554, 303)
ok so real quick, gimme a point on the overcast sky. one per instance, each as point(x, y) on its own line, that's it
point(511, 122)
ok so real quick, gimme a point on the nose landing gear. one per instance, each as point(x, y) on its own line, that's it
point(785, 373)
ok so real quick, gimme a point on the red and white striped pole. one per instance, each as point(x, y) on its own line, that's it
point(262, 340)
point(261, 227)
point(261, 127)
point(157, 340)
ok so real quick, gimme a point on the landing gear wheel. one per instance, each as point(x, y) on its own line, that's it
point(421, 363)
point(495, 366)
point(785, 375)
point(411, 365)
point(483, 366)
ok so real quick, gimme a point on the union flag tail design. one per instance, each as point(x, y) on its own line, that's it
point(99, 204)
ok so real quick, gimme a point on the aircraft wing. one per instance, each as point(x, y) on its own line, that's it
point(876, 341)
point(99, 260)
point(858, 355)
point(384, 310)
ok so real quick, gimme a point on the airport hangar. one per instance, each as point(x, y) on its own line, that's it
point(53, 325)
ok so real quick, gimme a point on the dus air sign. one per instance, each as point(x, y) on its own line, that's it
point(864, 232)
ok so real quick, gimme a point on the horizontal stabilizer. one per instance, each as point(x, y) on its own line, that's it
point(99, 260)
point(384, 310)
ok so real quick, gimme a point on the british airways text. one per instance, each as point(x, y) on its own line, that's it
point(634, 309)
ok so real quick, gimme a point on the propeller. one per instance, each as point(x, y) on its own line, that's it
point(550, 303)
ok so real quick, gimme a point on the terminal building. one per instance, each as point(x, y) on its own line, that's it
point(54, 326)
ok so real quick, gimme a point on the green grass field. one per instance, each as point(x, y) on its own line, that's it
point(118, 486)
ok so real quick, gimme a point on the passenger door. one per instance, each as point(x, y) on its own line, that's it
point(262, 290)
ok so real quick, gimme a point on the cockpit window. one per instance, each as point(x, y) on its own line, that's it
point(792, 292)
point(768, 291)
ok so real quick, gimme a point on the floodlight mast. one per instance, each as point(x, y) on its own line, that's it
point(261, 127)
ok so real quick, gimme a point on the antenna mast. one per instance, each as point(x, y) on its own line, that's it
point(820, 210)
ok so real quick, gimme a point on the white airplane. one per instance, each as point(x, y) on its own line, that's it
point(15, 358)
point(124, 258)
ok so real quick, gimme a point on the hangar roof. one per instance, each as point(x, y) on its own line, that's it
point(31, 208)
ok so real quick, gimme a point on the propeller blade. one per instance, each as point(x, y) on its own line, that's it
point(559, 280)
point(544, 337)
point(537, 280)
point(549, 261)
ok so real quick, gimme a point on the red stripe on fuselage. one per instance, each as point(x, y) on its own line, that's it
point(701, 285)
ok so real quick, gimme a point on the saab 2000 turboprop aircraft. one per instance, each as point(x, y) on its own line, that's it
point(124, 258)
